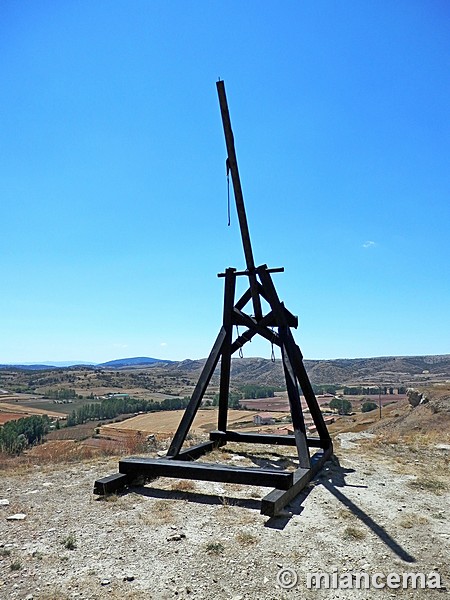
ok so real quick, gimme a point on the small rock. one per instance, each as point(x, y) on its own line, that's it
point(128, 578)
point(29, 597)
point(176, 537)
point(4, 502)
point(105, 582)
point(16, 517)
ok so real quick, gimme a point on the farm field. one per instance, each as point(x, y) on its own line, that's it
point(7, 411)
point(164, 423)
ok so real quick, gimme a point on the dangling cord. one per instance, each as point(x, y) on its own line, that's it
point(228, 192)
point(272, 356)
point(241, 354)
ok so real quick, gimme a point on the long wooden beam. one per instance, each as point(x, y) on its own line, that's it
point(223, 437)
point(239, 197)
point(155, 467)
point(197, 395)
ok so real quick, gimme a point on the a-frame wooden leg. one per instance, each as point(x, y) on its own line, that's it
point(197, 396)
point(296, 358)
point(296, 409)
point(225, 363)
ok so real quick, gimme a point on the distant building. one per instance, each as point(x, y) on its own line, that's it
point(263, 419)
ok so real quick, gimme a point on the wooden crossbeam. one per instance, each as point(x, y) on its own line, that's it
point(155, 467)
point(223, 437)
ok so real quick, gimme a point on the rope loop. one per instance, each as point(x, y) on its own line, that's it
point(228, 192)
point(241, 354)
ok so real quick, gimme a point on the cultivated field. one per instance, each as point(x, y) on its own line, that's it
point(10, 412)
point(165, 423)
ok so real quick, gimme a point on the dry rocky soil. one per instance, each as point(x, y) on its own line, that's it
point(381, 506)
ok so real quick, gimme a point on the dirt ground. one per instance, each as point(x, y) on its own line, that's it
point(377, 508)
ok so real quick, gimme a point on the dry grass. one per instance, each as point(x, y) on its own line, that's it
point(161, 512)
point(215, 548)
point(429, 484)
point(411, 520)
point(245, 538)
point(183, 485)
point(344, 513)
point(353, 533)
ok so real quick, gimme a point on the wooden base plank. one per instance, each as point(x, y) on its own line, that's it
point(262, 438)
point(110, 484)
point(274, 502)
point(160, 467)
point(196, 451)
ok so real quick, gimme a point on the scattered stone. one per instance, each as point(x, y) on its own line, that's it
point(105, 582)
point(4, 502)
point(16, 517)
point(443, 446)
point(176, 537)
point(128, 578)
point(29, 597)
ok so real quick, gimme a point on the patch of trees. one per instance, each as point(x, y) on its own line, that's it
point(113, 407)
point(61, 394)
point(372, 391)
point(234, 399)
point(325, 388)
point(368, 406)
point(343, 406)
point(16, 436)
point(258, 391)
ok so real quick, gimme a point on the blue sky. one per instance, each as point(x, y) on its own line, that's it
point(113, 188)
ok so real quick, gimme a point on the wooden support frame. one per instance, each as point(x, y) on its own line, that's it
point(181, 462)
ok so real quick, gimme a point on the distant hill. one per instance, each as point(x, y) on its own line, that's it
point(131, 362)
point(401, 370)
point(47, 365)
point(404, 370)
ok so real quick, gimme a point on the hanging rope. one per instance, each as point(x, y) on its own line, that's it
point(241, 354)
point(272, 356)
point(228, 192)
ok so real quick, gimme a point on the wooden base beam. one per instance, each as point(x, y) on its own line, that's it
point(163, 467)
point(110, 484)
point(276, 500)
point(261, 438)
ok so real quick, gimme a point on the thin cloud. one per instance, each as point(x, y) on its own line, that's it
point(369, 244)
point(164, 344)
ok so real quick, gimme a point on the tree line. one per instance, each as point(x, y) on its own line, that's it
point(372, 390)
point(113, 407)
point(60, 394)
point(16, 436)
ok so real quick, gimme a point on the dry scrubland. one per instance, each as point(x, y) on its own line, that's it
point(380, 506)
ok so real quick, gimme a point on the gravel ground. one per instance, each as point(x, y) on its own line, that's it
point(201, 540)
